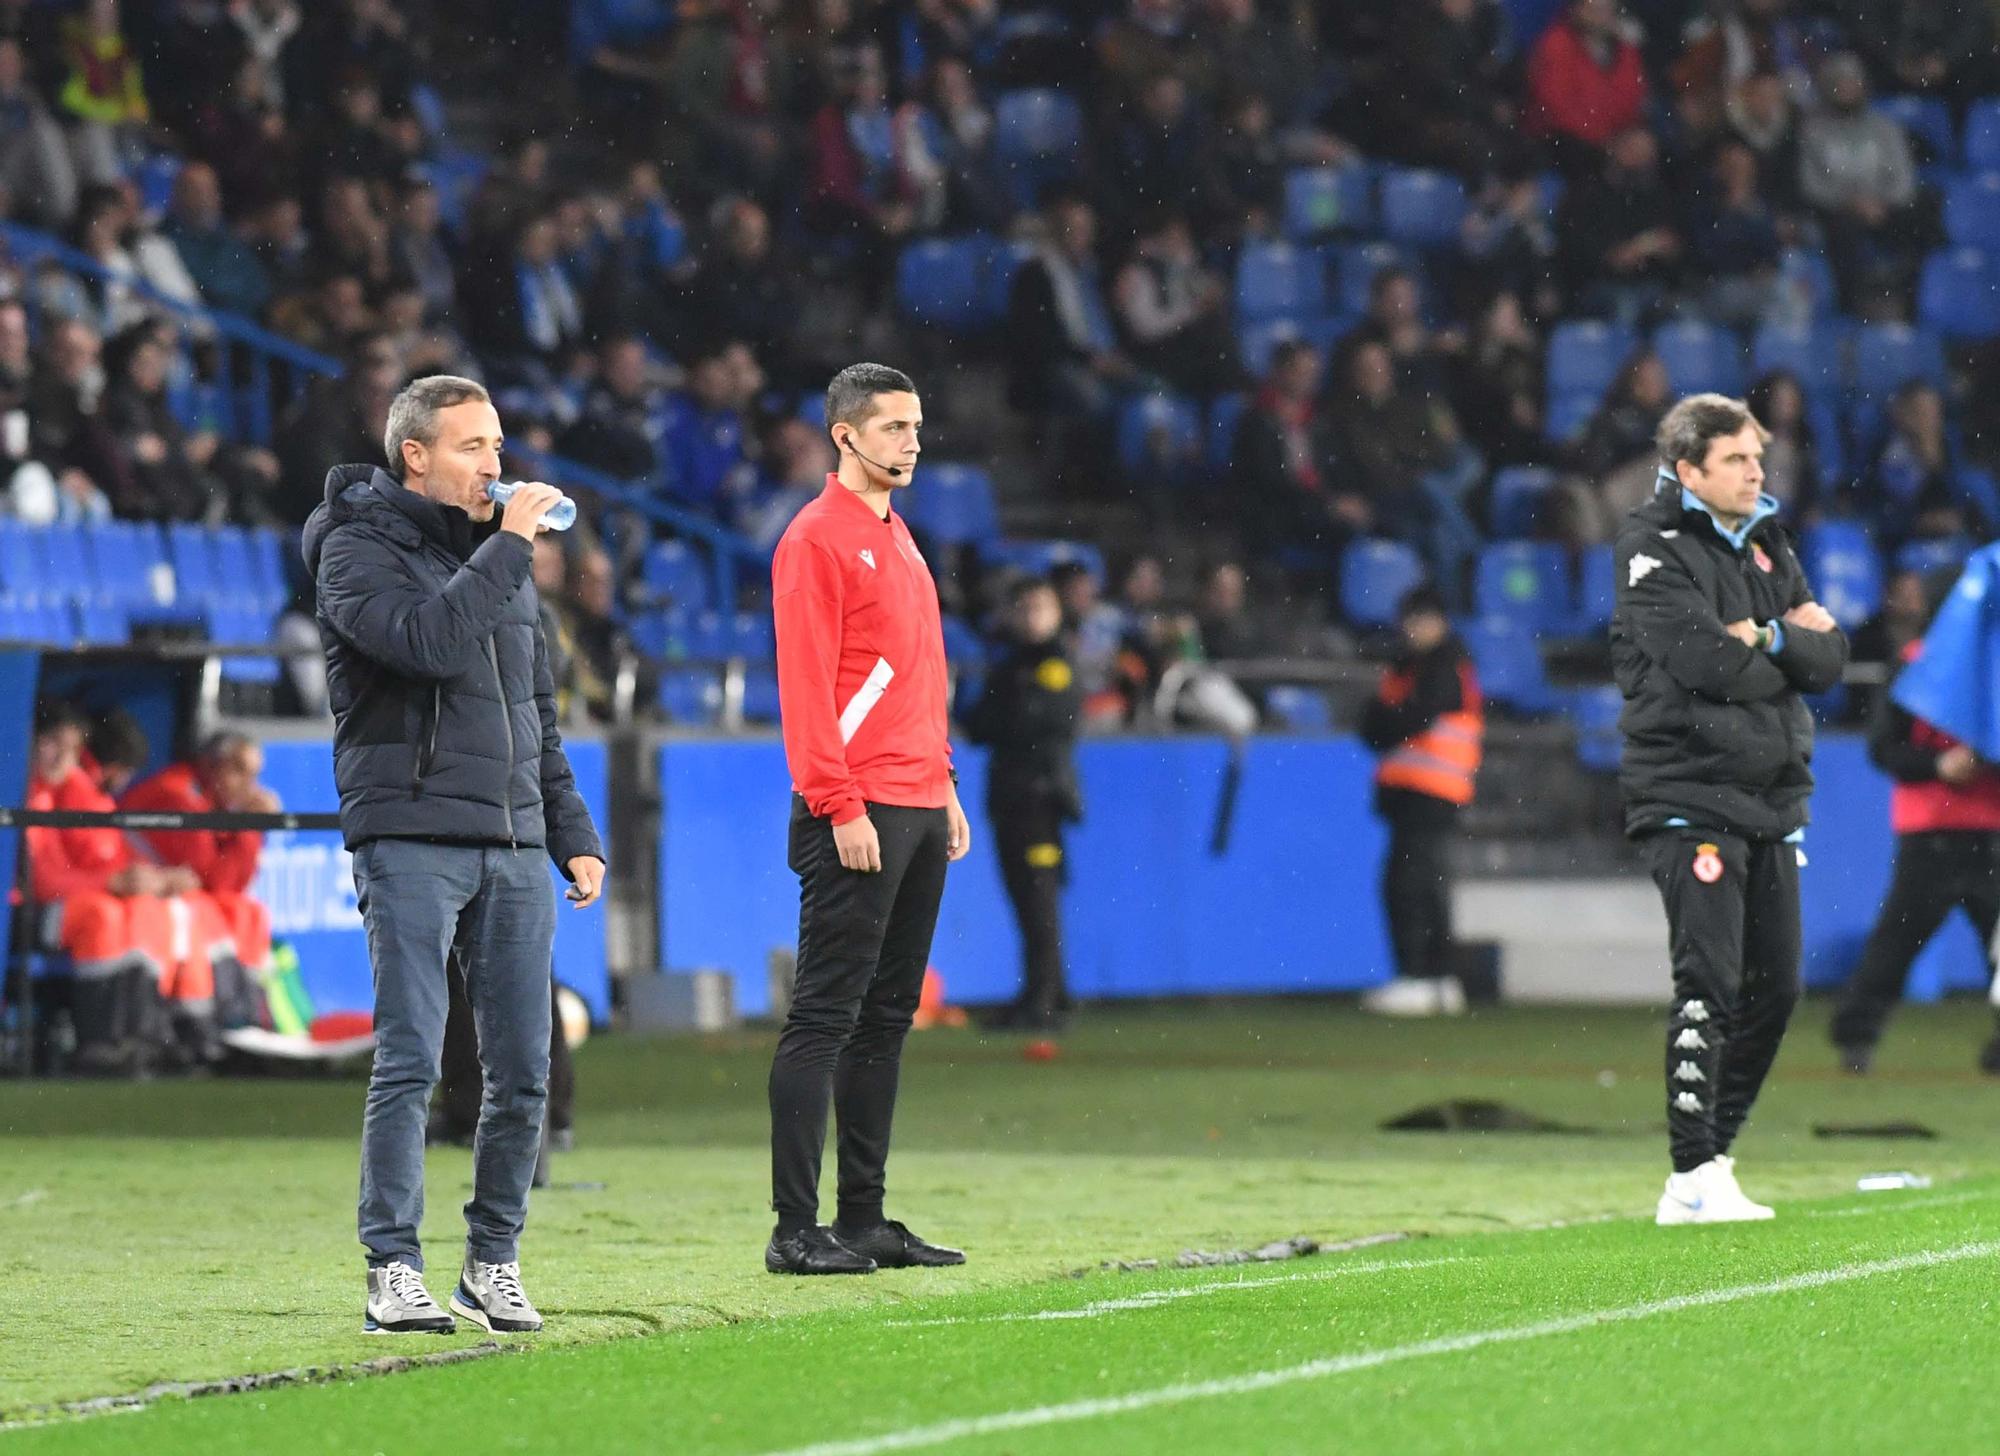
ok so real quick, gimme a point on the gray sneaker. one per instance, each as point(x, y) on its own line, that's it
point(398, 1304)
point(490, 1295)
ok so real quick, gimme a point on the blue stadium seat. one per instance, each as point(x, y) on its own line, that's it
point(1972, 211)
point(1808, 276)
point(236, 569)
point(155, 176)
point(1566, 416)
point(1845, 570)
point(1422, 208)
point(233, 623)
point(1036, 134)
point(753, 636)
point(941, 281)
point(711, 636)
point(66, 561)
point(1508, 660)
point(662, 635)
point(1585, 355)
point(1812, 353)
point(192, 557)
point(1595, 712)
point(1355, 266)
point(1322, 200)
point(267, 557)
point(1823, 424)
point(102, 624)
point(1958, 294)
point(1943, 553)
point(1889, 355)
point(1039, 558)
point(24, 572)
point(674, 572)
point(691, 695)
point(1980, 491)
point(1225, 417)
point(760, 695)
point(1526, 582)
point(1159, 438)
point(1374, 578)
point(1981, 143)
point(1596, 591)
point(1700, 356)
point(1516, 500)
point(1928, 121)
point(1003, 262)
point(953, 505)
point(1255, 343)
point(1278, 280)
point(1298, 708)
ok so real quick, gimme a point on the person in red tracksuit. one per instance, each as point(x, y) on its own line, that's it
point(875, 819)
point(222, 776)
point(1945, 809)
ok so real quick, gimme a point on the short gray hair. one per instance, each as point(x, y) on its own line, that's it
point(1689, 426)
point(413, 414)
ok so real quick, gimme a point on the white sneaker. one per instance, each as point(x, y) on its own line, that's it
point(1408, 996)
point(490, 1295)
point(398, 1304)
point(1708, 1195)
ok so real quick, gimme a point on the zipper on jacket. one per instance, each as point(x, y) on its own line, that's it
point(507, 725)
point(428, 752)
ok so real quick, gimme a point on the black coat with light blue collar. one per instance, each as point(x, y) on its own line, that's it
point(1716, 732)
point(443, 702)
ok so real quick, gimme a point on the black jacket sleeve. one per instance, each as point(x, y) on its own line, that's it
point(1438, 690)
point(1811, 661)
point(1672, 622)
point(1889, 743)
point(565, 817)
point(379, 608)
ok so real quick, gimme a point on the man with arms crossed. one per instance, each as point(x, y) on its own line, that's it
point(1714, 638)
point(875, 818)
point(453, 782)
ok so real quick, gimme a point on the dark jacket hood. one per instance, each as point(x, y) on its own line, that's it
point(370, 493)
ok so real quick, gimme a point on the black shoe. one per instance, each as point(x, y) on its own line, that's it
point(892, 1246)
point(814, 1251)
point(1856, 1059)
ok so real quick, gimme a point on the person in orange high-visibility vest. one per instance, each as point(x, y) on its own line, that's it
point(1425, 721)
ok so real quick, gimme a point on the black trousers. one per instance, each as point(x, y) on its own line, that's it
point(461, 1082)
point(1935, 872)
point(1028, 837)
point(1416, 897)
point(1733, 927)
point(864, 941)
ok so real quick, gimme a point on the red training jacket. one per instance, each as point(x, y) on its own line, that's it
point(1927, 805)
point(225, 861)
point(861, 674)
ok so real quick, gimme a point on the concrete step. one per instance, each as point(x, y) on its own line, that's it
point(1593, 941)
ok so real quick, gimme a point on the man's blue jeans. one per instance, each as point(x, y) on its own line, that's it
point(496, 907)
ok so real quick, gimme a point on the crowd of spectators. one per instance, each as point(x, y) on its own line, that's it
point(694, 207)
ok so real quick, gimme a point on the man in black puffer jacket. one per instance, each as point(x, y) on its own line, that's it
point(452, 780)
point(1714, 638)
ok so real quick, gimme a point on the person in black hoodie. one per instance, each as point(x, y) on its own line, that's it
point(1714, 638)
point(1425, 721)
point(1028, 716)
point(449, 763)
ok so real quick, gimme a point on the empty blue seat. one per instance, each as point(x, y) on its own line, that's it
point(1585, 355)
point(1972, 211)
point(1807, 276)
point(1036, 135)
point(1979, 490)
point(192, 557)
point(155, 177)
point(673, 571)
point(1516, 500)
point(1299, 708)
point(941, 281)
point(760, 695)
point(663, 634)
point(1700, 357)
point(1039, 558)
point(1928, 121)
point(1322, 200)
point(268, 561)
point(1508, 660)
point(66, 561)
point(102, 624)
point(1845, 570)
point(1566, 416)
point(24, 568)
point(236, 569)
point(1958, 294)
point(1814, 354)
point(1375, 576)
point(1595, 712)
point(952, 505)
point(1525, 582)
point(1596, 591)
point(1278, 280)
point(1159, 438)
point(753, 636)
point(691, 695)
point(1354, 268)
point(1422, 208)
point(1982, 135)
point(1889, 355)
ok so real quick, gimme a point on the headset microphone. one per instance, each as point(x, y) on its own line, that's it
point(894, 472)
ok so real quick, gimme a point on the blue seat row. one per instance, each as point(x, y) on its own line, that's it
point(179, 572)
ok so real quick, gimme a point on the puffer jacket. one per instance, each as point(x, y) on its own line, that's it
point(444, 707)
point(1716, 733)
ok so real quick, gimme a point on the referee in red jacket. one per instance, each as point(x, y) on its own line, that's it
point(875, 819)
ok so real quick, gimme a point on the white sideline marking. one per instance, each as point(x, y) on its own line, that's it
point(916, 1437)
point(1899, 1205)
point(1155, 1297)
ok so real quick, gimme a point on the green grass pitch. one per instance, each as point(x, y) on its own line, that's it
point(198, 1231)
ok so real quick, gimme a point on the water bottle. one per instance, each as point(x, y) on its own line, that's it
point(560, 516)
